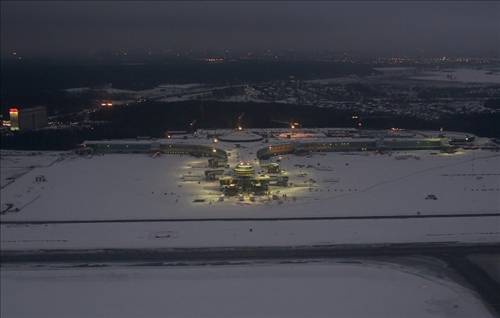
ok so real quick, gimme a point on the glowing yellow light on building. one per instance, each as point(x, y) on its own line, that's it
point(14, 118)
point(240, 128)
point(216, 140)
point(214, 150)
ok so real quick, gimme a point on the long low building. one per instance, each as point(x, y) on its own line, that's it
point(355, 145)
point(119, 146)
point(372, 144)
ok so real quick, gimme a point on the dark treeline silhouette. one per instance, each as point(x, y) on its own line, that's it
point(154, 119)
point(40, 82)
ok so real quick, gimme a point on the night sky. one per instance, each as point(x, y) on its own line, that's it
point(396, 27)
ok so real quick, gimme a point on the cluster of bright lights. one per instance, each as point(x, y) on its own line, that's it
point(294, 125)
point(214, 59)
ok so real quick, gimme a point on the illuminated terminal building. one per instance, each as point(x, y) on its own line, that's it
point(244, 180)
point(384, 144)
point(244, 170)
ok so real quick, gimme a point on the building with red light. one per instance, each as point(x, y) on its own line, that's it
point(14, 118)
point(28, 118)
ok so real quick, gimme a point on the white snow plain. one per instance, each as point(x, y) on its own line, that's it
point(137, 186)
point(229, 234)
point(345, 288)
point(462, 75)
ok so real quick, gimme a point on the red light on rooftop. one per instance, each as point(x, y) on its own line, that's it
point(13, 110)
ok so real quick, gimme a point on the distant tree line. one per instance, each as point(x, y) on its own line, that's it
point(154, 119)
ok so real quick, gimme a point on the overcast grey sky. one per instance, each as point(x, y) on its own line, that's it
point(59, 27)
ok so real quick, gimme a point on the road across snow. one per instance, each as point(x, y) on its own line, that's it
point(248, 233)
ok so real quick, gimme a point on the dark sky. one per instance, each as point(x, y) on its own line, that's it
point(393, 27)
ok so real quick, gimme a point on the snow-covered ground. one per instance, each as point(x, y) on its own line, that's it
point(14, 164)
point(159, 90)
point(116, 187)
point(163, 92)
point(344, 288)
point(463, 75)
point(152, 193)
point(137, 186)
point(222, 234)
